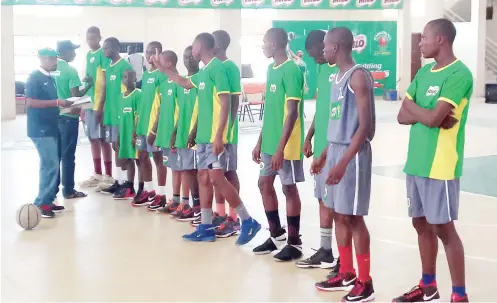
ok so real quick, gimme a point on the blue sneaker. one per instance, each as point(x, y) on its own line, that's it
point(204, 233)
point(250, 228)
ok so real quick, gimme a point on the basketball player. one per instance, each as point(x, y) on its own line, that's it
point(211, 137)
point(436, 107)
point(350, 129)
point(96, 64)
point(314, 45)
point(279, 148)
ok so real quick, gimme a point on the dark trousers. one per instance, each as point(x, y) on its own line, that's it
point(68, 128)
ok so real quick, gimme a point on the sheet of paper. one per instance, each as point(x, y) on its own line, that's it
point(79, 100)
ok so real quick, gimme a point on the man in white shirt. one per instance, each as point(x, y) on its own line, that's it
point(137, 62)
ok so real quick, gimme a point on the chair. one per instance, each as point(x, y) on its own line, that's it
point(246, 106)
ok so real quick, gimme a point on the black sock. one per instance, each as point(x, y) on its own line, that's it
point(196, 201)
point(273, 218)
point(141, 185)
point(293, 229)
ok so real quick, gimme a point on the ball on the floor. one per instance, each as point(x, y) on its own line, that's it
point(28, 216)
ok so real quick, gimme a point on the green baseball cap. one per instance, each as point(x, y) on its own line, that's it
point(47, 52)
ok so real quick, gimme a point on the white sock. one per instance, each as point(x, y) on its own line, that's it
point(161, 191)
point(149, 186)
point(122, 175)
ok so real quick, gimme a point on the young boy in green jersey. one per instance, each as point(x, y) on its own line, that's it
point(147, 112)
point(314, 45)
point(436, 107)
point(114, 87)
point(211, 137)
point(96, 64)
point(127, 117)
point(229, 225)
point(279, 148)
point(186, 161)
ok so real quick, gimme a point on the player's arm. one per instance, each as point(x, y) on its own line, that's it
point(173, 75)
point(31, 101)
point(103, 94)
point(405, 117)
point(236, 92)
point(75, 84)
point(428, 117)
point(222, 84)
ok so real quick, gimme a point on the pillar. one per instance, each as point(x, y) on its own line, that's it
point(479, 27)
point(404, 46)
point(7, 87)
point(230, 20)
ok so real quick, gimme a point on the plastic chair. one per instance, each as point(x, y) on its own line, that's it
point(246, 106)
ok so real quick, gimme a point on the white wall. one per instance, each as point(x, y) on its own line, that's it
point(7, 91)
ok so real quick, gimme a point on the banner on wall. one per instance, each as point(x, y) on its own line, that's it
point(220, 4)
point(375, 47)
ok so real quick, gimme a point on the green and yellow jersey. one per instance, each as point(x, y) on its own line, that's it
point(126, 116)
point(210, 81)
point(434, 152)
point(66, 78)
point(326, 76)
point(96, 64)
point(235, 80)
point(114, 87)
point(188, 112)
point(168, 112)
point(149, 105)
point(284, 82)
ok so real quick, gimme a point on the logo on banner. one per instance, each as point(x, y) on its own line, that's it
point(221, 2)
point(188, 2)
point(361, 3)
point(336, 3)
point(282, 2)
point(390, 3)
point(252, 2)
point(383, 38)
point(360, 42)
point(306, 3)
point(152, 2)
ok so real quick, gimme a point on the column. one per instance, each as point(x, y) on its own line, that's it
point(230, 20)
point(479, 27)
point(7, 87)
point(404, 48)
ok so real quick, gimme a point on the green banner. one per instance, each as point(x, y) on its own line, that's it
point(230, 4)
point(375, 48)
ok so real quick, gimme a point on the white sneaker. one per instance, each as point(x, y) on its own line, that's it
point(93, 181)
point(105, 182)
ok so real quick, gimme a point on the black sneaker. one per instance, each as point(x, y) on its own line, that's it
point(289, 253)
point(335, 270)
point(57, 208)
point(339, 282)
point(361, 292)
point(111, 189)
point(270, 245)
point(323, 258)
point(46, 211)
point(420, 293)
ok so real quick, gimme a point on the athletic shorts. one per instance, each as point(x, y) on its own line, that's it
point(291, 171)
point(437, 200)
point(232, 160)
point(142, 145)
point(187, 158)
point(111, 133)
point(93, 129)
point(320, 190)
point(351, 196)
point(206, 159)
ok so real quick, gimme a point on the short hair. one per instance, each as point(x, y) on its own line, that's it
point(206, 39)
point(157, 45)
point(188, 48)
point(314, 37)
point(343, 37)
point(223, 39)
point(444, 27)
point(171, 56)
point(279, 36)
point(113, 42)
point(93, 30)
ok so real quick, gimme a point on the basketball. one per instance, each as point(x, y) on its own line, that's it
point(28, 216)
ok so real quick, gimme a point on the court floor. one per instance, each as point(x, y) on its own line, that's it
point(103, 250)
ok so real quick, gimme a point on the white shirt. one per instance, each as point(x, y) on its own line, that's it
point(137, 62)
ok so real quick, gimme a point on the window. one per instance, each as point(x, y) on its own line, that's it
point(252, 54)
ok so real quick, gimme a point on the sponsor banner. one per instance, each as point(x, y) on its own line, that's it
point(375, 47)
point(231, 4)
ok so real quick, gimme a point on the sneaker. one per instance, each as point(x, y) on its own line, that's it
point(323, 258)
point(186, 215)
point(46, 211)
point(217, 220)
point(361, 292)
point(124, 193)
point(229, 228)
point(249, 229)
point(105, 182)
point(289, 253)
point(457, 298)
point(335, 270)
point(420, 293)
point(93, 181)
point(159, 202)
point(178, 211)
point(110, 190)
point(57, 208)
point(169, 208)
point(270, 245)
point(339, 282)
point(145, 198)
point(204, 233)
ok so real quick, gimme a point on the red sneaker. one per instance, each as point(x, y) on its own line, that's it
point(457, 298)
point(159, 202)
point(145, 198)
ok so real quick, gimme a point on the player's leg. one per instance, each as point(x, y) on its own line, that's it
point(177, 202)
point(141, 184)
point(68, 127)
point(107, 157)
point(232, 176)
point(159, 200)
point(148, 194)
point(229, 225)
point(112, 137)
